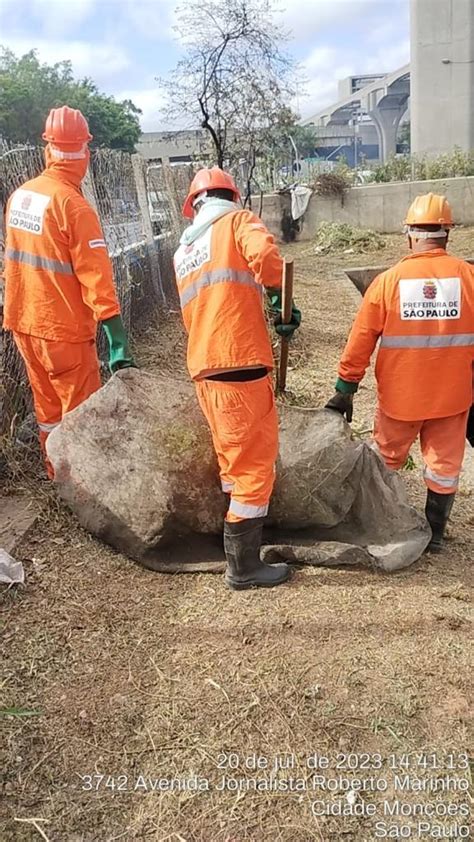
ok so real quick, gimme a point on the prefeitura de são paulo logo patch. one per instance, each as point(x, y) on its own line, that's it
point(430, 290)
point(26, 202)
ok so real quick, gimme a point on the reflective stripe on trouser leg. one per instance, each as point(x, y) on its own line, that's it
point(246, 511)
point(48, 428)
point(449, 483)
point(442, 445)
point(244, 427)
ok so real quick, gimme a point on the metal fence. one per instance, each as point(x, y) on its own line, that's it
point(139, 206)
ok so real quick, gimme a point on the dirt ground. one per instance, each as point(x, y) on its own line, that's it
point(138, 706)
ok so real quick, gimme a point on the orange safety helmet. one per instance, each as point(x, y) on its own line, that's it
point(209, 179)
point(430, 209)
point(66, 127)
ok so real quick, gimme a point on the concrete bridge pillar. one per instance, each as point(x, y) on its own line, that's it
point(386, 122)
point(386, 108)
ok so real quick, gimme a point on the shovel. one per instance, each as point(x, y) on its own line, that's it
point(287, 298)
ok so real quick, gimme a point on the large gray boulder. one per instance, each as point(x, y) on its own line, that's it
point(135, 463)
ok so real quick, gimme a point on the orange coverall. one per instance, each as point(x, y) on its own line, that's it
point(221, 278)
point(58, 285)
point(423, 312)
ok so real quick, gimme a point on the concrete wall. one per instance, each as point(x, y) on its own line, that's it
point(381, 207)
point(442, 75)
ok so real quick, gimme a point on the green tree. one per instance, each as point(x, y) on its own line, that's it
point(403, 135)
point(29, 89)
point(305, 138)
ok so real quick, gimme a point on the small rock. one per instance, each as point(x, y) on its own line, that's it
point(315, 692)
point(11, 571)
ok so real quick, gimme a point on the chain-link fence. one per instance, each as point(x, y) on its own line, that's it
point(140, 210)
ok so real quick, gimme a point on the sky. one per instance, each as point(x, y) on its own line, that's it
point(125, 44)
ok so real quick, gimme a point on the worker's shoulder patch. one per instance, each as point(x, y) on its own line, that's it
point(97, 244)
point(27, 209)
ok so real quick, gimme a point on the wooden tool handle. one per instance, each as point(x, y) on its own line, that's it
point(287, 290)
point(287, 300)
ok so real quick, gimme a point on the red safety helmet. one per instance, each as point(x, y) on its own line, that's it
point(66, 127)
point(209, 179)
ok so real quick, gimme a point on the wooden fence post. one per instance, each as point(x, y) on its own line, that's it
point(138, 165)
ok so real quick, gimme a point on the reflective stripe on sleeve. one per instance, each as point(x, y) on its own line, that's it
point(227, 487)
point(218, 276)
point(246, 510)
point(449, 340)
point(444, 482)
point(39, 262)
point(47, 428)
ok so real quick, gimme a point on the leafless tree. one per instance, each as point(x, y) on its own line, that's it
point(235, 77)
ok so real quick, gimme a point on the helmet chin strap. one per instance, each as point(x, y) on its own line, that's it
point(200, 199)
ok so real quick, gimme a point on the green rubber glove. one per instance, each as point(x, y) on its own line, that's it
point(119, 352)
point(285, 330)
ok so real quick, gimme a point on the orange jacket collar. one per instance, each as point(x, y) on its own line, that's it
point(432, 253)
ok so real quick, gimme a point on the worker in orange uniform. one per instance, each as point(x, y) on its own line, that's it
point(225, 261)
point(422, 310)
point(58, 278)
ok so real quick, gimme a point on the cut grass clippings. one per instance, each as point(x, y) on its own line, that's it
point(333, 237)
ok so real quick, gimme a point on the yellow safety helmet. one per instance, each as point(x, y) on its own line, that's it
point(430, 209)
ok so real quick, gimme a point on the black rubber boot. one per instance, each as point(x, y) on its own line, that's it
point(242, 542)
point(437, 510)
point(470, 427)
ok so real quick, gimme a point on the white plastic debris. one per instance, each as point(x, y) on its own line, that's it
point(11, 571)
point(300, 197)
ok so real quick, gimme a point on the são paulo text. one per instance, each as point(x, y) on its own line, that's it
point(440, 313)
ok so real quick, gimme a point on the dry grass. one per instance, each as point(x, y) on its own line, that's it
point(337, 237)
point(113, 670)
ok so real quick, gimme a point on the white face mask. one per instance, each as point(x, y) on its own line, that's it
point(416, 234)
point(64, 155)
